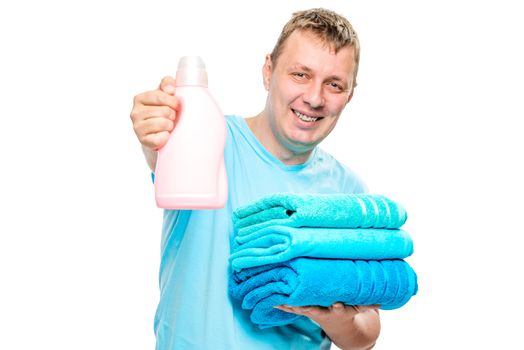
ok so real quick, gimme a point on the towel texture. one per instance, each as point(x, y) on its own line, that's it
point(276, 244)
point(324, 210)
point(307, 281)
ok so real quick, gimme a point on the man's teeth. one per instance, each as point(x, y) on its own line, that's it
point(305, 117)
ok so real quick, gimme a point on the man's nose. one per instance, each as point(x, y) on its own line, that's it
point(314, 95)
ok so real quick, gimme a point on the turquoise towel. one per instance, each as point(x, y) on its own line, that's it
point(319, 210)
point(323, 282)
point(276, 244)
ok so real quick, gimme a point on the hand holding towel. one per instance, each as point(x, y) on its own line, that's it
point(322, 282)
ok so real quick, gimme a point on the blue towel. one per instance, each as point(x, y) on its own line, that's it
point(319, 210)
point(323, 282)
point(276, 244)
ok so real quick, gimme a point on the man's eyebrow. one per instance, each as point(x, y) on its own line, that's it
point(336, 78)
point(309, 70)
point(301, 67)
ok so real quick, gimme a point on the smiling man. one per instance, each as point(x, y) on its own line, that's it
point(310, 77)
point(309, 81)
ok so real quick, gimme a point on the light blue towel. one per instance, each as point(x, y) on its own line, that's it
point(319, 210)
point(323, 282)
point(276, 244)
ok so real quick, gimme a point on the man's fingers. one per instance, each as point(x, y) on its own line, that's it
point(155, 141)
point(157, 98)
point(310, 311)
point(153, 125)
point(151, 112)
point(362, 308)
point(338, 308)
point(168, 85)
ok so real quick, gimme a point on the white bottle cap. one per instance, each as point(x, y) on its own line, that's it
point(191, 72)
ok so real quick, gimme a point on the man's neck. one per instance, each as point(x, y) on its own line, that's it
point(264, 134)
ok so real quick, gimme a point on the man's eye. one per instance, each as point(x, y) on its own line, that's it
point(336, 86)
point(299, 75)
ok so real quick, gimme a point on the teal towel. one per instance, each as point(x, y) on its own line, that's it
point(322, 282)
point(276, 244)
point(319, 210)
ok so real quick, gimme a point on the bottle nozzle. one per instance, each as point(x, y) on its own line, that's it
point(191, 71)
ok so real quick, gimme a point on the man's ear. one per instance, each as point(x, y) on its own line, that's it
point(267, 70)
point(350, 95)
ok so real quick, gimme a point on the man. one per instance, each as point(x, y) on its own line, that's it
point(310, 77)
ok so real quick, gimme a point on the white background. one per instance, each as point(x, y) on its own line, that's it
point(433, 124)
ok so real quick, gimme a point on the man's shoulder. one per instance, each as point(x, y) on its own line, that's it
point(338, 170)
point(236, 125)
point(328, 159)
point(233, 119)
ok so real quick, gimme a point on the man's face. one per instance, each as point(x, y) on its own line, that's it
point(308, 89)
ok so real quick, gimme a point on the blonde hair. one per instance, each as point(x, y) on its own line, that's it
point(330, 27)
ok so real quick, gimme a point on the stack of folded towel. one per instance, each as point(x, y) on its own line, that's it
point(301, 250)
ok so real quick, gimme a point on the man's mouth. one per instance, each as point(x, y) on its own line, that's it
point(306, 118)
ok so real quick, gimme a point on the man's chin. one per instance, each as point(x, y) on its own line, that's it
point(298, 146)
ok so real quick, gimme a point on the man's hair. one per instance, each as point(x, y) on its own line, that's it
point(330, 27)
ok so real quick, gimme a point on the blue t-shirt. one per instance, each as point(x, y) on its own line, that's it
point(195, 311)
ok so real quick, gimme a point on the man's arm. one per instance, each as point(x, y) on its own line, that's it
point(151, 157)
point(349, 327)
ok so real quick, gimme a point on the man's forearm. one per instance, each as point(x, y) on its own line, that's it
point(361, 333)
point(151, 157)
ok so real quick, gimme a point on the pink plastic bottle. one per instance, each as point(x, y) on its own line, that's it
point(190, 171)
